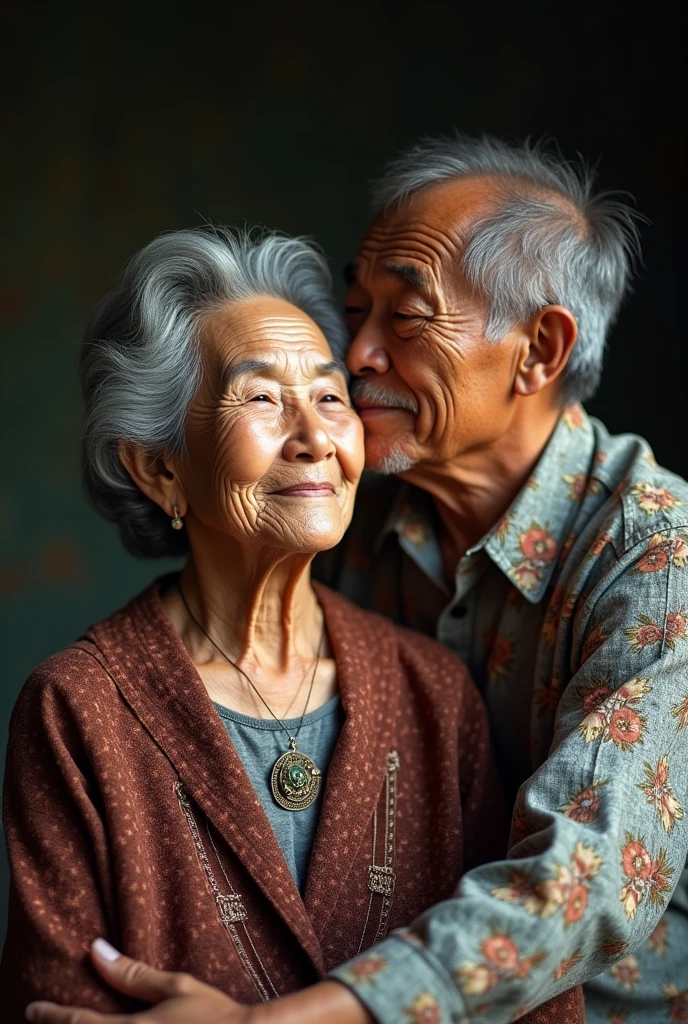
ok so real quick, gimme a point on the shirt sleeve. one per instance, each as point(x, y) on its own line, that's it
point(60, 898)
point(598, 835)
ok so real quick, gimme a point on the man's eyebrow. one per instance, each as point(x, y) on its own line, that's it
point(350, 273)
point(409, 273)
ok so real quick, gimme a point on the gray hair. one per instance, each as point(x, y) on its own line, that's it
point(551, 238)
point(141, 361)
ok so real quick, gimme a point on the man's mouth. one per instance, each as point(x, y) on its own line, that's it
point(368, 412)
point(371, 400)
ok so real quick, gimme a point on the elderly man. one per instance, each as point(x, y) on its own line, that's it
point(552, 557)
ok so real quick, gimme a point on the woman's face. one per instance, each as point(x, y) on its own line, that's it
point(275, 450)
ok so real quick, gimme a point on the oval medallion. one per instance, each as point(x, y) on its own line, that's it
point(295, 781)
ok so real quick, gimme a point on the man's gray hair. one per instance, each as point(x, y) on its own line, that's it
point(551, 238)
point(141, 361)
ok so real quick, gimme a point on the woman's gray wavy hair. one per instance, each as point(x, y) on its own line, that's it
point(141, 362)
point(551, 238)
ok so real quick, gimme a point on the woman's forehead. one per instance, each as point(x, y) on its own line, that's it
point(267, 331)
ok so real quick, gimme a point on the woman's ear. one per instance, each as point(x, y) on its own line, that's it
point(551, 335)
point(156, 476)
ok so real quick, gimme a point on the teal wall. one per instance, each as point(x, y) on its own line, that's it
point(119, 122)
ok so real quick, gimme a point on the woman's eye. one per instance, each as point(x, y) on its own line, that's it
point(331, 398)
point(408, 316)
point(261, 398)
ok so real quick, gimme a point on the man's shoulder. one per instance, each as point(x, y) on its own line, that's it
point(375, 500)
point(652, 498)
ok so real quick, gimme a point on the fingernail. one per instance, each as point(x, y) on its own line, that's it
point(103, 949)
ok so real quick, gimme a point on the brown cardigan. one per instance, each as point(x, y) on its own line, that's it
point(128, 813)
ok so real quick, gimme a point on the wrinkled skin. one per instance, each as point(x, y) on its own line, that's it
point(476, 413)
point(272, 413)
point(254, 431)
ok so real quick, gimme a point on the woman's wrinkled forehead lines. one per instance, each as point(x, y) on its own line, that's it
point(244, 332)
point(249, 326)
point(283, 364)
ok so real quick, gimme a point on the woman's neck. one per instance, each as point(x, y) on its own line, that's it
point(257, 605)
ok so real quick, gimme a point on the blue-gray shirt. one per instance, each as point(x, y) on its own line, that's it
point(259, 742)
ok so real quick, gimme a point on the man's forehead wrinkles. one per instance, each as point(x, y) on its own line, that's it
point(416, 232)
point(424, 246)
point(430, 260)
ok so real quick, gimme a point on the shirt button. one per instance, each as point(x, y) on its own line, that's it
point(459, 611)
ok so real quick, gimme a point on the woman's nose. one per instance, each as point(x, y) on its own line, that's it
point(309, 441)
point(367, 353)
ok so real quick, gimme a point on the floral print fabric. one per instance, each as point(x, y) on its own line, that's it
point(572, 615)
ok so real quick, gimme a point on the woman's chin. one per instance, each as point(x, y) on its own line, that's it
point(310, 542)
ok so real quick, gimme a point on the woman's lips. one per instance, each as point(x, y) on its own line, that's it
point(307, 490)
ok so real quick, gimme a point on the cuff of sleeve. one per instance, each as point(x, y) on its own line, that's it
point(397, 981)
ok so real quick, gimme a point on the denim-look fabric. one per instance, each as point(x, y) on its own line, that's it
point(572, 615)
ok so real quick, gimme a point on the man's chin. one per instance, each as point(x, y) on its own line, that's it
point(389, 460)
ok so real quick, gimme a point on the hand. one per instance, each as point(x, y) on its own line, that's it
point(179, 998)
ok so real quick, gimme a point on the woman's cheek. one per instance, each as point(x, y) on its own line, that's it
point(351, 449)
point(247, 452)
point(242, 509)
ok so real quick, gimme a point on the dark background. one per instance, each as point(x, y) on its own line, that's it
point(121, 122)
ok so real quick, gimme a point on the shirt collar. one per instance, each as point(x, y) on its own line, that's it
point(527, 542)
point(412, 518)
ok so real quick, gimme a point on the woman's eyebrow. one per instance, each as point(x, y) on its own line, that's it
point(245, 366)
point(331, 368)
point(335, 366)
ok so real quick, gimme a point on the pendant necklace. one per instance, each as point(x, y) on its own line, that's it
point(295, 778)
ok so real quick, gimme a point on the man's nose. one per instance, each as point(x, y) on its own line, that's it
point(367, 353)
point(308, 440)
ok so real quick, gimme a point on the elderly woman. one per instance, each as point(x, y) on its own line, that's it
point(240, 774)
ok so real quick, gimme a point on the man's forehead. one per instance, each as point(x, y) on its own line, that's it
point(429, 226)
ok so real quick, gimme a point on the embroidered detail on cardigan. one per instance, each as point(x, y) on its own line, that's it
point(230, 905)
point(382, 877)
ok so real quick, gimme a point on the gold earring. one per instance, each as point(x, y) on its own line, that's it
point(177, 523)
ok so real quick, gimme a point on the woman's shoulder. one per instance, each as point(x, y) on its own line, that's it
point(80, 673)
point(62, 678)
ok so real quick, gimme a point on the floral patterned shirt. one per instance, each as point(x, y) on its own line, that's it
point(572, 615)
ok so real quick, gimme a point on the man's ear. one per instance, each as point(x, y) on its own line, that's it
point(551, 335)
point(156, 476)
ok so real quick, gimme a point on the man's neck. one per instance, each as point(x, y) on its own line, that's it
point(473, 491)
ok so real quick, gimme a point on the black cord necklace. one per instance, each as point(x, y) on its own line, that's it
point(295, 778)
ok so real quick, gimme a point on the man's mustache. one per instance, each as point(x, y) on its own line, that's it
point(366, 391)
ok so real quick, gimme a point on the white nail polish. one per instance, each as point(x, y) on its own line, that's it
point(104, 950)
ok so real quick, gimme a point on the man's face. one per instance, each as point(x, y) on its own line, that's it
point(430, 387)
